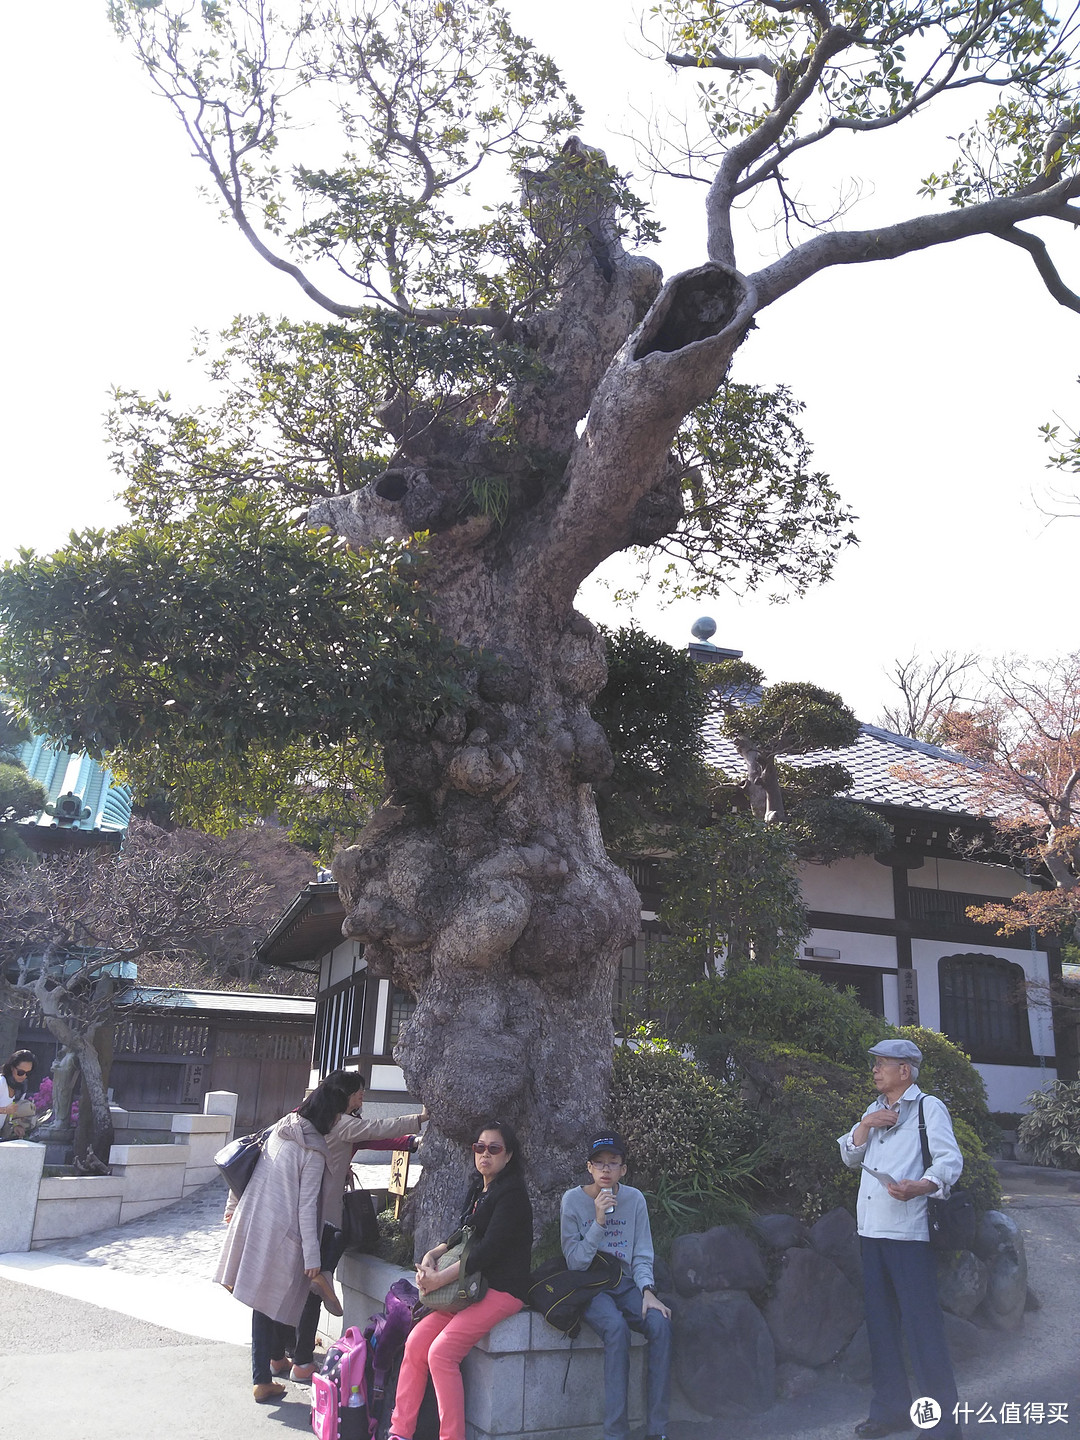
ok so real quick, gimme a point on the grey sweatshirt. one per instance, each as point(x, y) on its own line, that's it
point(626, 1234)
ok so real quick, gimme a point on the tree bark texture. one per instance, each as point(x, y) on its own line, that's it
point(482, 884)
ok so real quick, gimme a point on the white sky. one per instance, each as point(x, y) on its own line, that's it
point(925, 379)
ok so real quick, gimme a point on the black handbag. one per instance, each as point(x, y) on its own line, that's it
point(238, 1159)
point(359, 1223)
point(951, 1222)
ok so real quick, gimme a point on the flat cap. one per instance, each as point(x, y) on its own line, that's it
point(898, 1050)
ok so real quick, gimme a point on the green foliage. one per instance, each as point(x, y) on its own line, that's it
point(753, 511)
point(1051, 1129)
point(395, 1243)
point(979, 1177)
point(216, 633)
point(682, 1128)
point(786, 1005)
point(652, 708)
point(20, 797)
point(948, 1073)
point(732, 892)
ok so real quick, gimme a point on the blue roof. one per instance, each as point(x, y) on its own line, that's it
point(60, 771)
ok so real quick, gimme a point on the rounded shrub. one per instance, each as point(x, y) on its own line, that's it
point(949, 1074)
point(979, 1178)
point(1051, 1131)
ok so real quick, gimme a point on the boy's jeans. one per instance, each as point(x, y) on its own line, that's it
point(612, 1314)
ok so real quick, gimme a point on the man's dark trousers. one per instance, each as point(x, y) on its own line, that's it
point(900, 1290)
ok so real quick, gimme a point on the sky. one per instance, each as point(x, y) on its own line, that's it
point(925, 380)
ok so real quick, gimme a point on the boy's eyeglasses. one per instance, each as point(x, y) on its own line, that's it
point(481, 1149)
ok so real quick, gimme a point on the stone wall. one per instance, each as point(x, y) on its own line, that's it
point(40, 1209)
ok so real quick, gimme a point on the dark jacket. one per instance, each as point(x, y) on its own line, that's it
point(501, 1222)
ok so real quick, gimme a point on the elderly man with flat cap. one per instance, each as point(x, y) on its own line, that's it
point(899, 1273)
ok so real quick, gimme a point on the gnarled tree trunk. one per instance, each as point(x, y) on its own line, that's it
point(482, 884)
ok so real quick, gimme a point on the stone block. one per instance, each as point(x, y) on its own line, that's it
point(781, 1232)
point(222, 1102)
point(494, 1392)
point(723, 1353)
point(965, 1340)
point(199, 1175)
point(21, 1163)
point(961, 1282)
point(81, 1187)
point(723, 1258)
point(132, 1156)
point(835, 1236)
point(65, 1219)
point(201, 1125)
point(814, 1310)
point(156, 1180)
point(1006, 1290)
point(793, 1381)
point(854, 1361)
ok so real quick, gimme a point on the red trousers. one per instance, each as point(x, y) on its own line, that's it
point(439, 1343)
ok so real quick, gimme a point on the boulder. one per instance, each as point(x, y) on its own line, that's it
point(854, 1362)
point(792, 1381)
point(996, 1231)
point(815, 1309)
point(966, 1341)
point(780, 1232)
point(1006, 1290)
point(836, 1237)
point(723, 1353)
point(961, 1281)
point(723, 1258)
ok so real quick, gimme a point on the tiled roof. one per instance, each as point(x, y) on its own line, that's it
point(872, 760)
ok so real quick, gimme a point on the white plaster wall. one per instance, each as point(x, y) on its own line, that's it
point(387, 1077)
point(855, 948)
point(890, 996)
point(344, 962)
point(977, 879)
point(1008, 1086)
point(851, 887)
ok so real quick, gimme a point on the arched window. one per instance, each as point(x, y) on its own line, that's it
point(984, 1007)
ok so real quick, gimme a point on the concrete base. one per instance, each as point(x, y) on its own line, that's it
point(70, 1205)
point(21, 1163)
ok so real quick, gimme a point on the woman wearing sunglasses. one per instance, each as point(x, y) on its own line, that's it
point(498, 1212)
point(13, 1088)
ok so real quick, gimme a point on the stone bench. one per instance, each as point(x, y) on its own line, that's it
point(521, 1379)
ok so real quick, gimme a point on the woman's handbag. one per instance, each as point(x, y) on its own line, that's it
point(951, 1222)
point(238, 1159)
point(359, 1223)
point(463, 1291)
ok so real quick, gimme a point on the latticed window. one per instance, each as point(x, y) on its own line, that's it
point(633, 998)
point(402, 1009)
point(161, 1037)
point(337, 1031)
point(984, 1007)
point(263, 1045)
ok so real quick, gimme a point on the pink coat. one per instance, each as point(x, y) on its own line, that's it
point(273, 1236)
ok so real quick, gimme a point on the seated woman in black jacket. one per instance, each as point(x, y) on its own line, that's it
point(498, 1211)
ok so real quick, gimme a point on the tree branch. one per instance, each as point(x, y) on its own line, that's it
point(717, 61)
point(1036, 248)
point(857, 247)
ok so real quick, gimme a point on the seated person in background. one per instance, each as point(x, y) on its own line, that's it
point(605, 1214)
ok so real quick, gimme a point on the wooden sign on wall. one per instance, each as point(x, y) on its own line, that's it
point(908, 984)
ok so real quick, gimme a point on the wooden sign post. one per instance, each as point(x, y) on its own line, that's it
point(399, 1179)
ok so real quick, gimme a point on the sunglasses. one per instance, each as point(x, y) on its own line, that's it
point(481, 1149)
point(21, 1074)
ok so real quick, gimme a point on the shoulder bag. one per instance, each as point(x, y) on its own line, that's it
point(238, 1159)
point(951, 1222)
point(463, 1291)
point(359, 1223)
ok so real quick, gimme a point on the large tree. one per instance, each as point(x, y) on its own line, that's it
point(539, 375)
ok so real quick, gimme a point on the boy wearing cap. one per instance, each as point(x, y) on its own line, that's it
point(899, 1273)
point(605, 1214)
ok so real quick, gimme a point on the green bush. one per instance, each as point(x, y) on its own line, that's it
point(1051, 1131)
point(949, 1074)
point(786, 1005)
point(800, 1103)
point(691, 1141)
point(980, 1178)
point(395, 1244)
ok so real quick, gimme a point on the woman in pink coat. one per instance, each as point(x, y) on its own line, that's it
point(270, 1259)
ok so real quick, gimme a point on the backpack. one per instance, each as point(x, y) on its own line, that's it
point(560, 1295)
point(386, 1334)
point(341, 1377)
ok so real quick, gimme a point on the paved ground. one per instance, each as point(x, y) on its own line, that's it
point(141, 1342)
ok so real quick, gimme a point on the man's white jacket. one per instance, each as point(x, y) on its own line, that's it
point(896, 1150)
